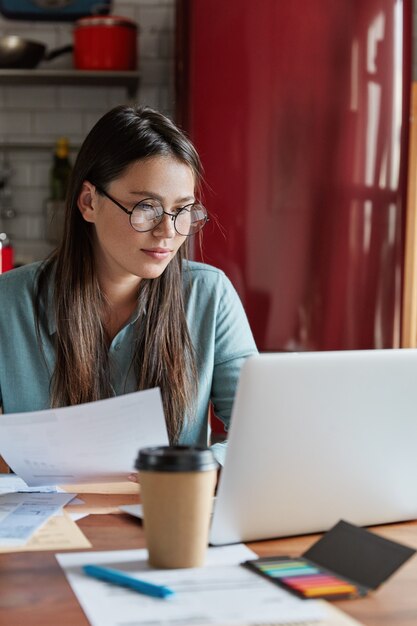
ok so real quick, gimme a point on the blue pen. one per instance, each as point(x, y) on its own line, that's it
point(120, 578)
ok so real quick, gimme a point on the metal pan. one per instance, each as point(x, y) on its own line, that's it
point(19, 53)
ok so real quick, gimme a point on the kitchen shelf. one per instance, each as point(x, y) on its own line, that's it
point(41, 144)
point(129, 80)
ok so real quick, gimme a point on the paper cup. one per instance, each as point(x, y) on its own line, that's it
point(177, 486)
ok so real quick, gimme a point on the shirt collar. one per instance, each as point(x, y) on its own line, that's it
point(51, 317)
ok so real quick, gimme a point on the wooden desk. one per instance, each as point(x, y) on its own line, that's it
point(35, 592)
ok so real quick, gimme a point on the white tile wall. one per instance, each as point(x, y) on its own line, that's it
point(38, 115)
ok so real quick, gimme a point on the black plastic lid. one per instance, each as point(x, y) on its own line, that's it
point(176, 459)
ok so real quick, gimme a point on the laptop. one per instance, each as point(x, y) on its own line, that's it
point(317, 437)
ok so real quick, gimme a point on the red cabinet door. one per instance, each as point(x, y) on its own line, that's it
point(299, 111)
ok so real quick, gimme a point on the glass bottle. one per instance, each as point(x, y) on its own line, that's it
point(61, 170)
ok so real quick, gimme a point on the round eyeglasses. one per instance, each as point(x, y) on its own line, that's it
point(148, 213)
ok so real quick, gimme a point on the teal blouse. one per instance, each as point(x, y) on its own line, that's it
point(217, 324)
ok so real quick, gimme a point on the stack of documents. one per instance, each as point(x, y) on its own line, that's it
point(32, 518)
point(21, 514)
point(93, 442)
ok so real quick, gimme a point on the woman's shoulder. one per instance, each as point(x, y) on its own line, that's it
point(202, 272)
point(206, 283)
point(20, 277)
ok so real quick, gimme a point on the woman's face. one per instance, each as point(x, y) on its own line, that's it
point(122, 252)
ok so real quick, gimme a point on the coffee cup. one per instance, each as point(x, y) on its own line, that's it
point(177, 486)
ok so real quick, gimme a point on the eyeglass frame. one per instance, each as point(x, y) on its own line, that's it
point(173, 216)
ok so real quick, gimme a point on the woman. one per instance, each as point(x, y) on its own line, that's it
point(117, 307)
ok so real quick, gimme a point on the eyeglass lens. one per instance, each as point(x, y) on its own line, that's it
point(187, 221)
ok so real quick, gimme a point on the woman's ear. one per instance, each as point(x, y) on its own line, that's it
point(86, 201)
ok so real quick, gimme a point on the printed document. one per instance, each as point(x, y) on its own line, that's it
point(222, 592)
point(60, 532)
point(10, 483)
point(21, 514)
point(94, 442)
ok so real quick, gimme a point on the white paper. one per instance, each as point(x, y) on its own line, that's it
point(132, 509)
point(94, 442)
point(10, 483)
point(137, 510)
point(221, 592)
point(21, 514)
point(77, 516)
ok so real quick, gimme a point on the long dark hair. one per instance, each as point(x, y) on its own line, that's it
point(163, 354)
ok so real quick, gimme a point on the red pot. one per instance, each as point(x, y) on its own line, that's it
point(105, 43)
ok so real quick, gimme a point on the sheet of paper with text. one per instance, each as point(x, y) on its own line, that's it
point(94, 442)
